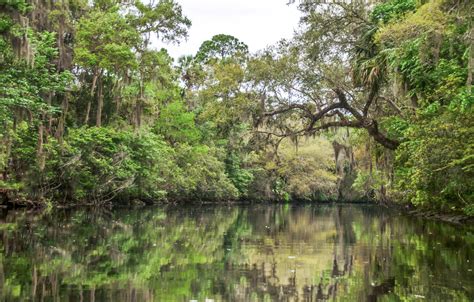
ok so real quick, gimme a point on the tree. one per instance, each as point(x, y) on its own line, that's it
point(111, 42)
point(221, 47)
point(165, 19)
point(104, 42)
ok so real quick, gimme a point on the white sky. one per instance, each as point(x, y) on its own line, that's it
point(258, 23)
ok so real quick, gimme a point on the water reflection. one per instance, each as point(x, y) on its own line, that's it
point(258, 253)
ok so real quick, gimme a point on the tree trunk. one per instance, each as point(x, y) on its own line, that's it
point(118, 87)
point(138, 108)
point(381, 138)
point(470, 67)
point(40, 151)
point(34, 283)
point(94, 83)
point(6, 142)
point(100, 105)
point(138, 114)
point(2, 277)
point(62, 119)
point(88, 111)
point(369, 124)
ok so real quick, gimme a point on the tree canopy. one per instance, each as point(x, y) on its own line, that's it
point(364, 102)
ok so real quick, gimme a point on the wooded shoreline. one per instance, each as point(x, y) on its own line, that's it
point(364, 101)
point(453, 218)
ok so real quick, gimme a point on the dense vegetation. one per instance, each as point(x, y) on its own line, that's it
point(367, 101)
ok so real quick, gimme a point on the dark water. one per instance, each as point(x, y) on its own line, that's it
point(258, 253)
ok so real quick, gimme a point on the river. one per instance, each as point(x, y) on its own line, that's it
point(233, 253)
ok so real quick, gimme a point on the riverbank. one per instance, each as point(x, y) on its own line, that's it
point(446, 217)
point(453, 217)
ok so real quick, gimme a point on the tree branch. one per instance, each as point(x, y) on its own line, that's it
point(286, 109)
point(361, 120)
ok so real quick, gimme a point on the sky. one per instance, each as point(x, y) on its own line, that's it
point(258, 23)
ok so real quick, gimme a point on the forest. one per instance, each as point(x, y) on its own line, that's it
point(369, 102)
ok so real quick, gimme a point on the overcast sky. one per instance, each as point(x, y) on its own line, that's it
point(258, 23)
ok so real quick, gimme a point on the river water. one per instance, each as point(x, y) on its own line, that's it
point(234, 253)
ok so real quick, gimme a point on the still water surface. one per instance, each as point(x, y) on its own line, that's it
point(237, 253)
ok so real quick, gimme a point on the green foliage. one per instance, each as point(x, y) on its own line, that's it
point(221, 47)
point(305, 169)
point(469, 210)
point(165, 19)
point(214, 127)
point(176, 124)
point(98, 164)
point(368, 183)
point(435, 164)
point(427, 66)
point(21, 6)
point(24, 86)
point(392, 10)
point(6, 23)
point(104, 40)
point(428, 19)
point(240, 176)
point(101, 165)
point(153, 140)
point(35, 178)
point(203, 174)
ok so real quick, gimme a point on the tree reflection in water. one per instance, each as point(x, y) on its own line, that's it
point(257, 253)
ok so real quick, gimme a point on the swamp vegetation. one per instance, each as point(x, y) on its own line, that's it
point(368, 101)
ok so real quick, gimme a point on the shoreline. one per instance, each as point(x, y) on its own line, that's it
point(452, 218)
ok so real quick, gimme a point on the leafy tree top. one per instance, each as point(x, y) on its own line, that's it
point(221, 47)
